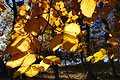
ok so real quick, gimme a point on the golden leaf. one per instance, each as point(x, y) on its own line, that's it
point(24, 45)
point(20, 71)
point(89, 58)
point(27, 7)
point(54, 59)
point(40, 68)
point(32, 71)
point(16, 60)
point(70, 38)
point(58, 30)
point(72, 29)
point(46, 66)
point(99, 55)
point(22, 12)
point(31, 58)
point(88, 7)
point(15, 35)
point(12, 48)
point(56, 42)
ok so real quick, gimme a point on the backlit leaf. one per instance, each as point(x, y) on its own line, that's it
point(88, 7)
point(31, 58)
point(89, 58)
point(72, 29)
point(70, 38)
point(32, 71)
point(16, 60)
point(20, 71)
point(46, 66)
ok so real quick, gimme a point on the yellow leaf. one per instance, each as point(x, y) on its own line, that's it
point(74, 47)
point(89, 58)
point(54, 59)
point(22, 12)
point(112, 56)
point(27, 7)
point(70, 38)
point(58, 30)
point(74, 17)
point(15, 35)
point(32, 71)
point(16, 60)
point(46, 66)
point(31, 58)
point(56, 42)
point(40, 68)
point(88, 7)
point(72, 29)
point(101, 54)
point(20, 71)
point(25, 45)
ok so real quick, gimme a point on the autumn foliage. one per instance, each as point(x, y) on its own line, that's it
point(51, 25)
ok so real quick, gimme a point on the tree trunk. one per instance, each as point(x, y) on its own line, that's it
point(55, 68)
point(90, 75)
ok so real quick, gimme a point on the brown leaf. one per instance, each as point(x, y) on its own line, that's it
point(69, 46)
point(33, 26)
point(56, 42)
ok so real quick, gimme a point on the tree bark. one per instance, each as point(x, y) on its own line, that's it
point(90, 75)
point(55, 68)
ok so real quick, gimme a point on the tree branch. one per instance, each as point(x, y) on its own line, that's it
point(15, 13)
